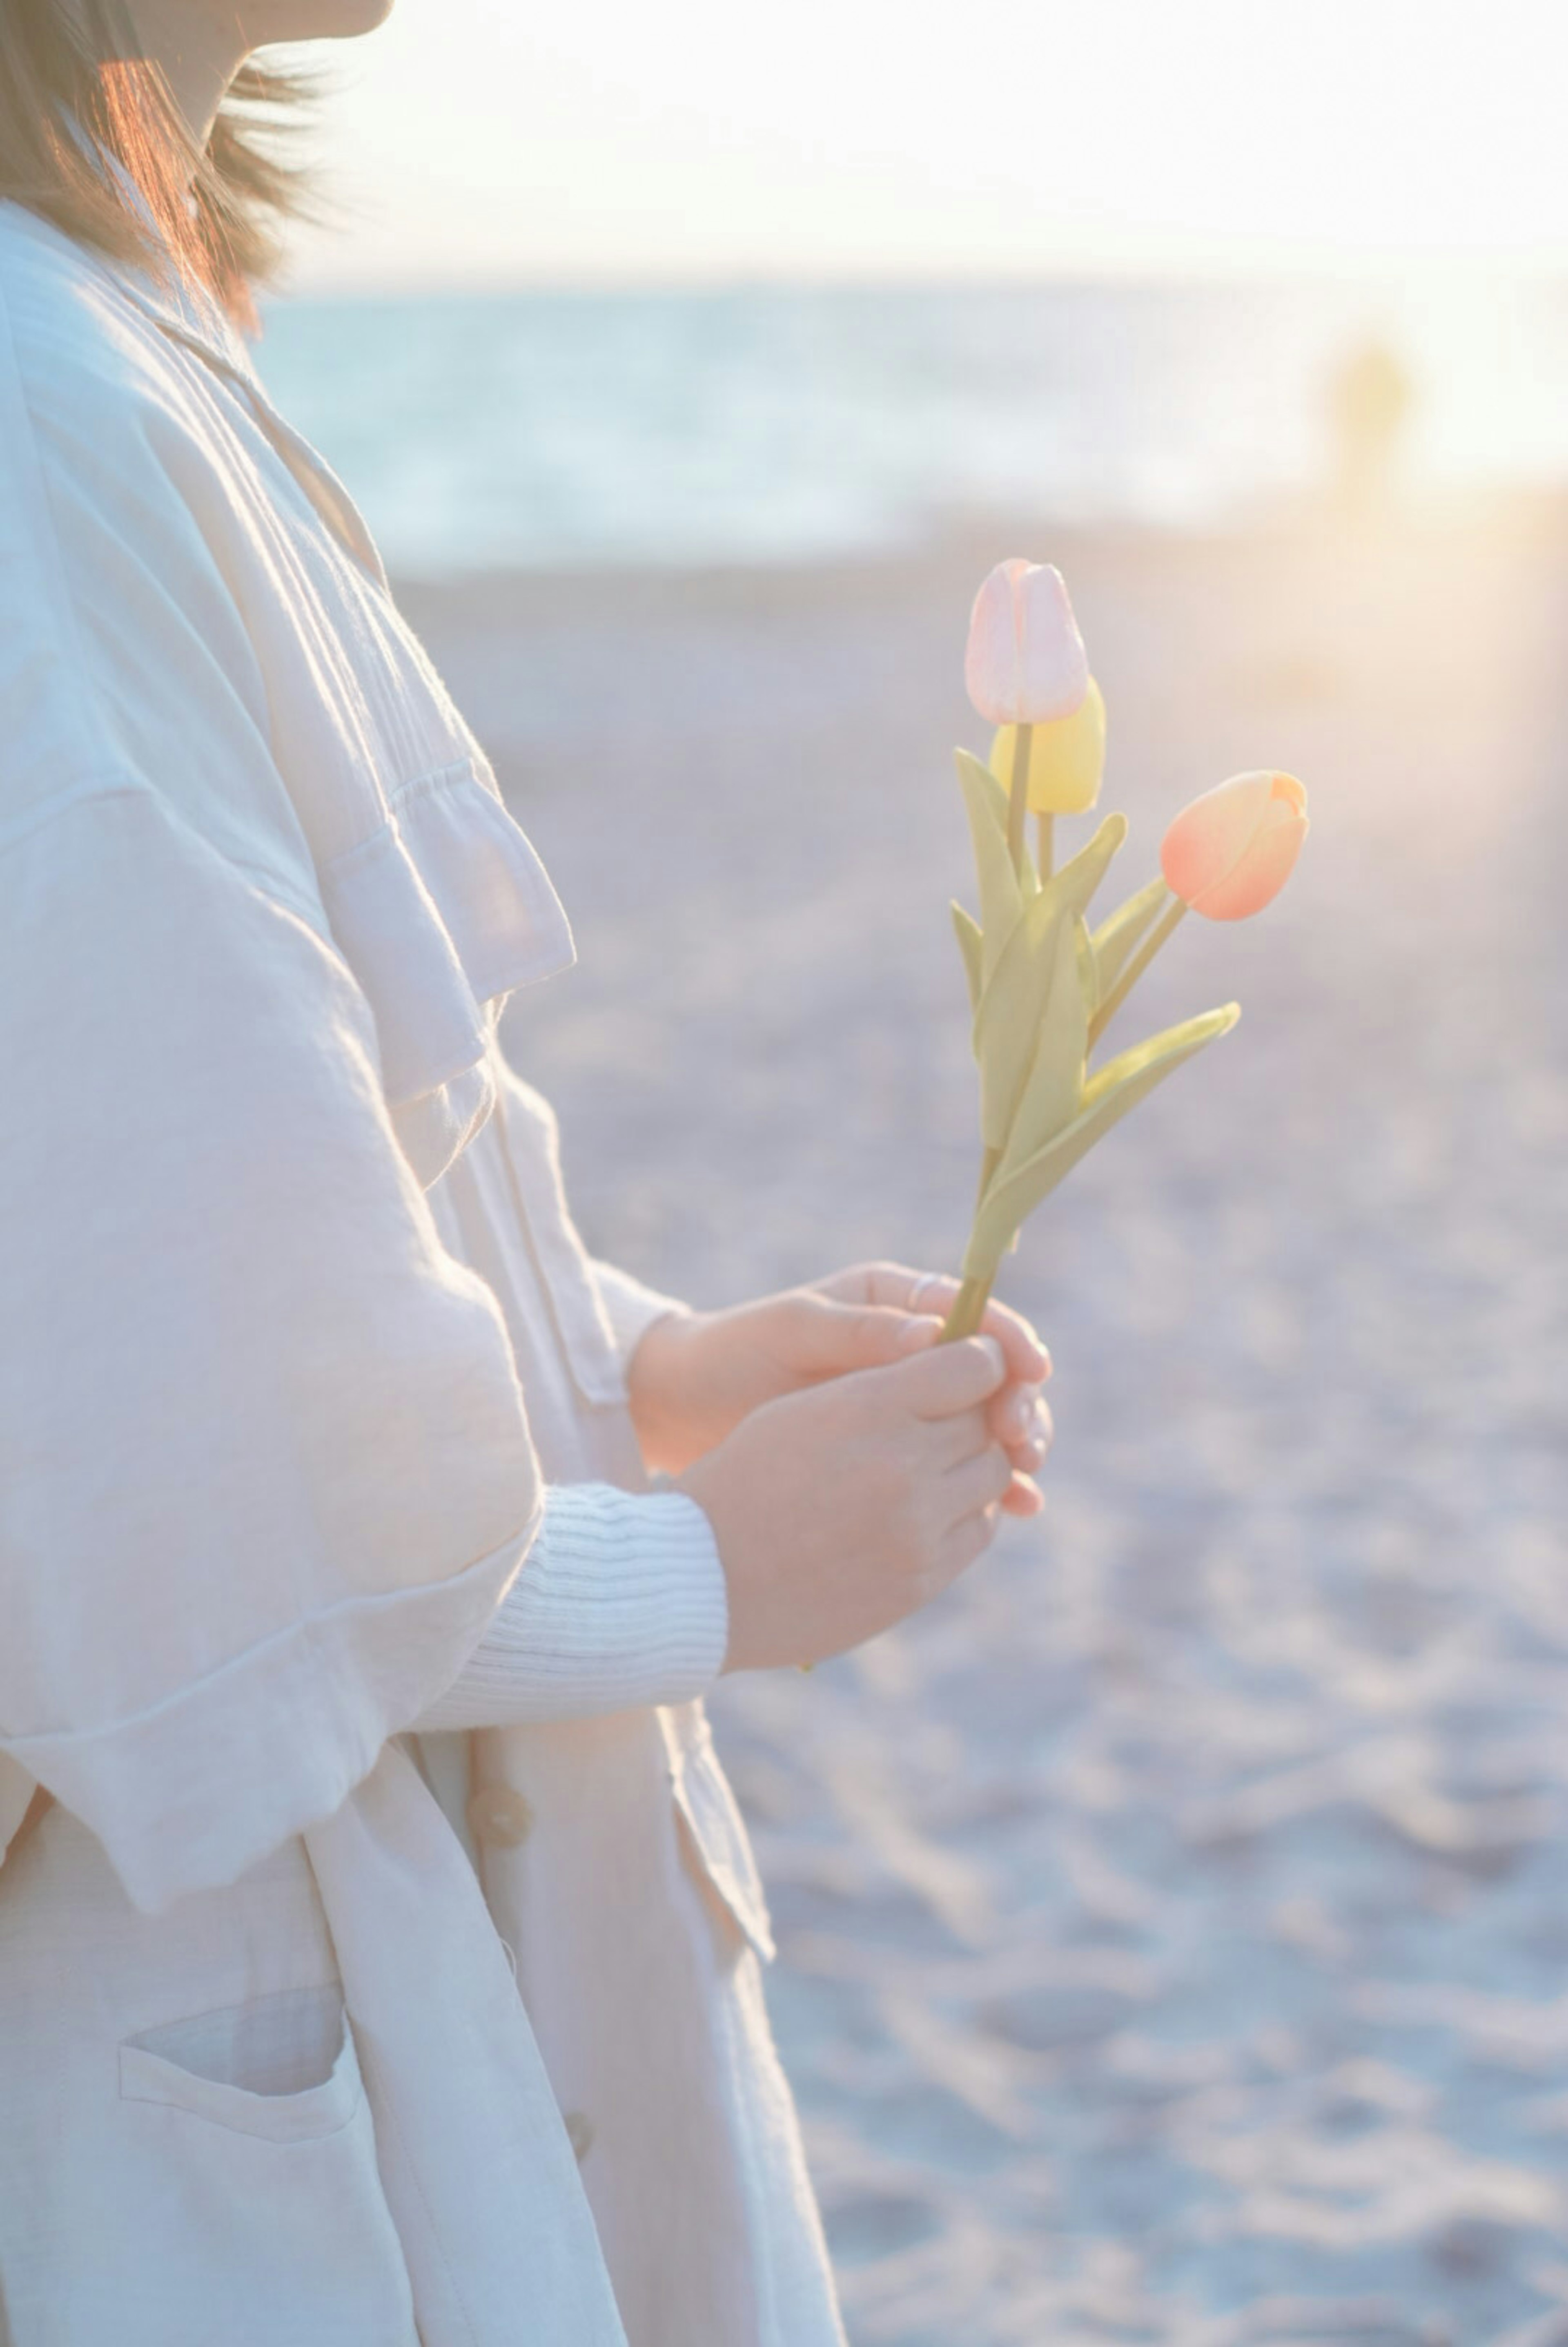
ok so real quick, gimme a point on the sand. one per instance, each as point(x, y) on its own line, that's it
point(1174, 1920)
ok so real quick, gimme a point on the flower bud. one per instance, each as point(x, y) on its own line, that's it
point(1026, 662)
point(1230, 852)
point(1066, 758)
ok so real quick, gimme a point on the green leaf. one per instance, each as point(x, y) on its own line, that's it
point(1017, 984)
point(1007, 1020)
point(1079, 877)
point(1172, 1045)
point(1118, 936)
point(1086, 977)
point(1053, 1089)
point(1001, 896)
point(971, 944)
point(995, 793)
point(1115, 1088)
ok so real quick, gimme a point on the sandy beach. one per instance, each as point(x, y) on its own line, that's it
point(1173, 1922)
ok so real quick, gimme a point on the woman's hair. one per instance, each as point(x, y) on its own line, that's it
point(75, 94)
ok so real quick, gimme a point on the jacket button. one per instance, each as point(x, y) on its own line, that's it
point(496, 1814)
point(580, 2129)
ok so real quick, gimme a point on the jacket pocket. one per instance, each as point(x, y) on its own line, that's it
point(283, 2068)
point(587, 1340)
point(251, 2183)
point(712, 1830)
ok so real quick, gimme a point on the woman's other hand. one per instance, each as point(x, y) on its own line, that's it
point(696, 1376)
point(840, 1508)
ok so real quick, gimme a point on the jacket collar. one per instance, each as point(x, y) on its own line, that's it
point(189, 314)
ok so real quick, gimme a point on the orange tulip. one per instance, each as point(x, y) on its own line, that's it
point(1026, 662)
point(1230, 852)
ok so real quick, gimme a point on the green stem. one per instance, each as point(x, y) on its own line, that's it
point(1018, 795)
point(968, 1310)
point(1164, 927)
point(969, 1303)
point(1045, 825)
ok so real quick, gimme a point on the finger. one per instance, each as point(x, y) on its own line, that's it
point(835, 1338)
point(980, 1482)
point(1023, 1496)
point(964, 1542)
point(1027, 1357)
point(1021, 1420)
point(945, 1378)
point(873, 1283)
point(896, 1285)
point(947, 1442)
point(1028, 1456)
point(1027, 1460)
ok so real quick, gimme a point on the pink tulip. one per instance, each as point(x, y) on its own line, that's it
point(1231, 851)
point(1025, 663)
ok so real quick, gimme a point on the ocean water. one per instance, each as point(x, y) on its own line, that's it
point(771, 424)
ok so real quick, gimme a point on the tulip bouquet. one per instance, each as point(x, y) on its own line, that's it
point(1042, 986)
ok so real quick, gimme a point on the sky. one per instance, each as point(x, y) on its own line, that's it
point(495, 142)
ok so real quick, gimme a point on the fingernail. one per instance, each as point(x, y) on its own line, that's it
point(993, 1349)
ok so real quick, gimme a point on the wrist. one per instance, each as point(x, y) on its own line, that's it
point(702, 1484)
point(658, 1382)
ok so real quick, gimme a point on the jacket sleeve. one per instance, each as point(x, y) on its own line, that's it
point(265, 1473)
point(630, 1305)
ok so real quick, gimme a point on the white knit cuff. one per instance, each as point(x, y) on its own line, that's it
point(619, 1602)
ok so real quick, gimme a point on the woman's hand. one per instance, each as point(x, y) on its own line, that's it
point(695, 1376)
point(839, 1510)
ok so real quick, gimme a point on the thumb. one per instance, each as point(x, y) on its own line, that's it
point(948, 1378)
point(845, 1336)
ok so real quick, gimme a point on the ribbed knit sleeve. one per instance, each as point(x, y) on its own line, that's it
point(620, 1603)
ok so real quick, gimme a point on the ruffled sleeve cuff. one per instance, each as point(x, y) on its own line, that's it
point(621, 1603)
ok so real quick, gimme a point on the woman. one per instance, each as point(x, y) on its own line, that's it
point(378, 1942)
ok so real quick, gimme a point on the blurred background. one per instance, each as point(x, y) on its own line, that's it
point(1174, 1921)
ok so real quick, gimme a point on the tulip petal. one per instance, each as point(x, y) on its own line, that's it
point(1210, 837)
point(1054, 667)
point(1066, 758)
point(1261, 874)
point(1024, 663)
point(990, 658)
point(1229, 852)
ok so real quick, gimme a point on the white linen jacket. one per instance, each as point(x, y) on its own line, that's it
point(322, 2023)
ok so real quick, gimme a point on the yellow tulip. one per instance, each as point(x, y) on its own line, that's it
point(1066, 758)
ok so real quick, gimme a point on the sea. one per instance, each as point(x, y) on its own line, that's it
point(773, 424)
